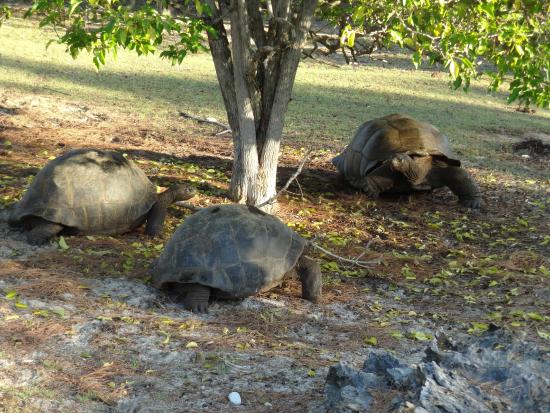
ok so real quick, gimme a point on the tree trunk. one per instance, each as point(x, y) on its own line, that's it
point(256, 73)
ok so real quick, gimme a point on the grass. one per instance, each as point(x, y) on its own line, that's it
point(328, 103)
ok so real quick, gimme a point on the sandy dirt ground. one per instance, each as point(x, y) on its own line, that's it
point(83, 330)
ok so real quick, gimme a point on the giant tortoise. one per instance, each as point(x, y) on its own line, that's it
point(92, 191)
point(397, 153)
point(233, 251)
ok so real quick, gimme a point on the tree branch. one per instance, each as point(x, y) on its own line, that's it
point(221, 55)
point(292, 178)
point(363, 264)
point(256, 23)
point(212, 121)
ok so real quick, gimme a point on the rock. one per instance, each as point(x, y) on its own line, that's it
point(234, 398)
point(478, 375)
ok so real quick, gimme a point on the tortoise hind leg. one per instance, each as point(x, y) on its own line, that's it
point(42, 231)
point(196, 298)
point(459, 181)
point(157, 214)
point(310, 276)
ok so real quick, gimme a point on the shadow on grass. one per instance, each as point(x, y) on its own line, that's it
point(335, 104)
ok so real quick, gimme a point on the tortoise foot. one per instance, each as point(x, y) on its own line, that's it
point(196, 299)
point(472, 203)
point(43, 232)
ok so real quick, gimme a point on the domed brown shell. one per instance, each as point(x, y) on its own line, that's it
point(381, 138)
point(237, 249)
point(89, 190)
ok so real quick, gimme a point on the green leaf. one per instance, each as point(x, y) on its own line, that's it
point(11, 295)
point(408, 273)
point(41, 313)
point(420, 336)
point(166, 336)
point(454, 69)
point(59, 311)
point(495, 316)
point(73, 7)
point(397, 334)
point(396, 36)
point(198, 6)
point(417, 59)
point(62, 243)
point(20, 305)
point(123, 36)
point(371, 341)
point(311, 373)
point(544, 334)
point(535, 316)
point(478, 328)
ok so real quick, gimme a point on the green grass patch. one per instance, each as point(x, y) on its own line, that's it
point(328, 103)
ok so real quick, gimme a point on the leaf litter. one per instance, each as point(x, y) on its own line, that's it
point(84, 331)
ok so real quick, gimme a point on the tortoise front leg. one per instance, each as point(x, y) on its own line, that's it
point(42, 232)
point(157, 214)
point(379, 180)
point(196, 299)
point(459, 181)
point(310, 276)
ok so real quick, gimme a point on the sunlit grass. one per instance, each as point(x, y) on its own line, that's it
point(328, 103)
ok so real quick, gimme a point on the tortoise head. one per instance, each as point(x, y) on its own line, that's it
point(415, 167)
point(401, 162)
point(183, 192)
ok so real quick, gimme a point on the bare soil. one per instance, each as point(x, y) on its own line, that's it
point(83, 331)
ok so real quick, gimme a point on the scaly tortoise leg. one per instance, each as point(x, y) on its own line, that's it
point(309, 272)
point(196, 298)
point(460, 182)
point(42, 232)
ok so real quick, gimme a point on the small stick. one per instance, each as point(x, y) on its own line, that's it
point(55, 90)
point(292, 178)
point(212, 121)
point(356, 262)
point(300, 188)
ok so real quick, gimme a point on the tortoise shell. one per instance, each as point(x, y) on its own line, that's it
point(379, 139)
point(88, 190)
point(236, 249)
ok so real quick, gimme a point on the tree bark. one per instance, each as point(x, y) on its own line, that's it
point(256, 72)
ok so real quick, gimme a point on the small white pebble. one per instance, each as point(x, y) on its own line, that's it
point(235, 398)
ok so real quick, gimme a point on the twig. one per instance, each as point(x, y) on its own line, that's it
point(55, 90)
point(300, 188)
point(356, 262)
point(207, 120)
point(316, 59)
point(292, 178)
